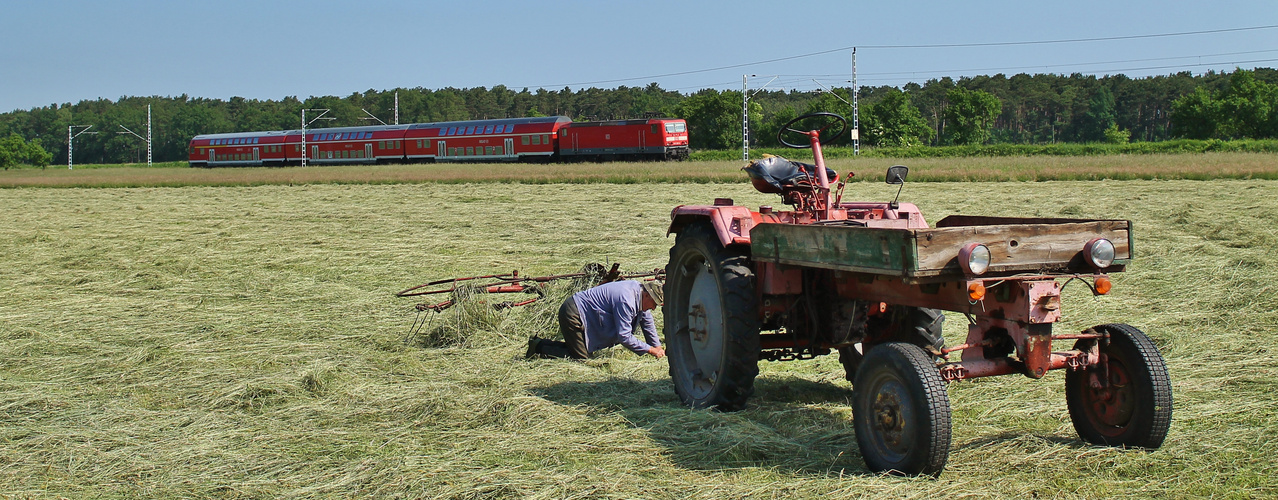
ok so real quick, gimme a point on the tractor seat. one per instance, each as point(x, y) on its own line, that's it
point(774, 174)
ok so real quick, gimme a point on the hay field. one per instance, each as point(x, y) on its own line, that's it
point(243, 342)
point(1024, 168)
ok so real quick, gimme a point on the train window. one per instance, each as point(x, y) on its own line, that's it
point(488, 129)
point(470, 151)
point(676, 127)
point(523, 140)
point(656, 129)
point(501, 150)
point(427, 146)
point(536, 139)
point(510, 128)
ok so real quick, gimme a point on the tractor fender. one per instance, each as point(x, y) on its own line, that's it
point(732, 224)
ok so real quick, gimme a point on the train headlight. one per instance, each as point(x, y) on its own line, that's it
point(974, 258)
point(1099, 252)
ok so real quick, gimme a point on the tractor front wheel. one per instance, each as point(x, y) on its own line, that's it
point(901, 411)
point(1127, 399)
point(711, 321)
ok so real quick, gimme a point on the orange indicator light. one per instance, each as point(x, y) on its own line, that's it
point(1103, 285)
point(975, 290)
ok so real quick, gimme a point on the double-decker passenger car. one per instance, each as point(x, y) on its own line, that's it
point(506, 139)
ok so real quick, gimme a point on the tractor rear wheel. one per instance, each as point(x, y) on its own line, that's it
point(1128, 400)
point(711, 321)
point(901, 411)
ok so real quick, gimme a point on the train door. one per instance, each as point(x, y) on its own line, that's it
point(642, 141)
point(368, 151)
point(211, 155)
point(441, 148)
point(510, 146)
point(257, 155)
point(315, 152)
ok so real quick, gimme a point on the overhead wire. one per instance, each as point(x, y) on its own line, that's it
point(914, 46)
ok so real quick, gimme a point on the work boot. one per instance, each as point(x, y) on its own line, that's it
point(533, 343)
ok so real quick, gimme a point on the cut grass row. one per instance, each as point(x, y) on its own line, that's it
point(244, 342)
point(1014, 168)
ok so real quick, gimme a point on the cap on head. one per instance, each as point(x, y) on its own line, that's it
point(655, 291)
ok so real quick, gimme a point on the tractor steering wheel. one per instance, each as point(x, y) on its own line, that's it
point(818, 122)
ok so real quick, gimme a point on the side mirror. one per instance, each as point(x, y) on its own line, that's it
point(896, 174)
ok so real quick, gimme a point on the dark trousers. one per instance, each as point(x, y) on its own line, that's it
point(574, 344)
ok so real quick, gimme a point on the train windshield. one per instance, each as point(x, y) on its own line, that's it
point(676, 127)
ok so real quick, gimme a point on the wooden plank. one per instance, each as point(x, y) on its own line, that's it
point(1022, 247)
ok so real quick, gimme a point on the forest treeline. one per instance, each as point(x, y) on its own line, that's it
point(1021, 109)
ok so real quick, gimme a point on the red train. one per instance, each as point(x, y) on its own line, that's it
point(551, 138)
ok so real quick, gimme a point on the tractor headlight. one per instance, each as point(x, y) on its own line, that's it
point(974, 258)
point(1099, 252)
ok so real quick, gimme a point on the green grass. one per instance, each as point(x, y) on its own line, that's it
point(1172, 147)
point(244, 342)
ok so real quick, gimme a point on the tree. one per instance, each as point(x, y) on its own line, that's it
point(894, 122)
point(1100, 116)
point(714, 119)
point(15, 151)
point(970, 115)
point(1246, 108)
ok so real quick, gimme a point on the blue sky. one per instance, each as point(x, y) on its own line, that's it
point(59, 51)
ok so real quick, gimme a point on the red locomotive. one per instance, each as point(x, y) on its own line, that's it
point(551, 138)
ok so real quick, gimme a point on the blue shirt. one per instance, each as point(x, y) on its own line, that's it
point(610, 315)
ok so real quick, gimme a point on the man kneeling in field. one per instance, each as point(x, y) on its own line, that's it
point(605, 316)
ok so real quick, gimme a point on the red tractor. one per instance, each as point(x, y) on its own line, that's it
point(870, 280)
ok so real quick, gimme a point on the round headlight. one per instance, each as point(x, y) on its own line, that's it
point(974, 258)
point(1099, 252)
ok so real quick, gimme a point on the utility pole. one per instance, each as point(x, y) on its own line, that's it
point(323, 111)
point(745, 115)
point(397, 107)
point(148, 135)
point(71, 138)
point(856, 119)
point(745, 120)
